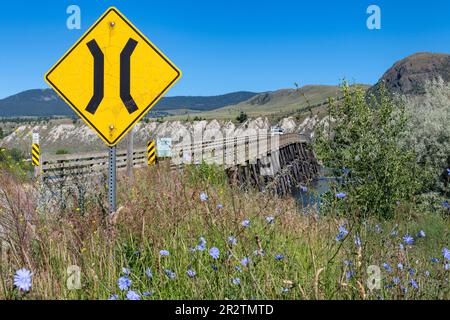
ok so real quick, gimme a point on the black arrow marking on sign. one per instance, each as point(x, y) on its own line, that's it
point(99, 70)
point(125, 58)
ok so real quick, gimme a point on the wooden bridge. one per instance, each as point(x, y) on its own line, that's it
point(262, 160)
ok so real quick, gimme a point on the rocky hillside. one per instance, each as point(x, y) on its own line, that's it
point(74, 138)
point(409, 75)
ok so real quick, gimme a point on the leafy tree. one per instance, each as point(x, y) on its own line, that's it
point(361, 148)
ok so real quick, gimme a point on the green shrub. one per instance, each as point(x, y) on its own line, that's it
point(428, 130)
point(360, 147)
point(62, 152)
point(242, 117)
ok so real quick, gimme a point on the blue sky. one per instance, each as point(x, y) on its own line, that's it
point(230, 45)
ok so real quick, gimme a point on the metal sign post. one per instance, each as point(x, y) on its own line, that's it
point(112, 179)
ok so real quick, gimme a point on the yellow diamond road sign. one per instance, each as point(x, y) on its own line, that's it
point(112, 76)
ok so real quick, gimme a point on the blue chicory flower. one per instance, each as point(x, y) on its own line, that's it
point(236, 281)
point(414, 284)
point(245, 223)
point(279, 257)
point(232, 240)
point(408, 239)
point(132, 295)
point(124, 283)
point(214, 252)
point(446, 253)
point(23, 279)
point(245, 261)
point(172, 275)
point(421, 234)
point(191, 273)
point(342, 233)
point(341, 195)
point(201, 245)
point(164, 253)
point(387, 267)
point(203, 196)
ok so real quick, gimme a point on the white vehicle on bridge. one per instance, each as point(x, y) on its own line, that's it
point(276, 131)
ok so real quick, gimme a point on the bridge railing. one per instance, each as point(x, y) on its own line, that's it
point(228, 152)
point(88, 163)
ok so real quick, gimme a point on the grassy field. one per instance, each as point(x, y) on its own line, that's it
point(221, 243)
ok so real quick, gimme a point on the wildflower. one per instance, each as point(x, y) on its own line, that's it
point(285, 290)
point(388, 286)
point(400, 266)
point(238, 268)
point(245, 261)
point(214, 252)
point(232, 240)
point(412, 271)
point(447, 266)
point(342, 233)
point(219, 206)
point(346, 171)
point(396, 280)
point(394, 233)
point(421, 234)
point(126, 271)
point(124, 283)
point(446, 253)
point(348, 263)
point(279, 257)
point(434, 260)
point(172, 275)
point(427, 273)
point(349, 274)
point(446, 204)
point(113, 297)
point(448, 171)
point(408, 239)
point(132, 295)
point(148, 293)
point(164, 253)
point(357, 241)
point(270, 219)
point(245, 223)
point(340, 195)
point(236, 281)
point(149, 273)
point(378, 229)
point(414, 284)
point(387, 267)
point(404, 290)
point(203, 196)
point(201, 245)
point(191, 273)
point(304, 189)
point(214, 267)
point(401, 246)
point(22, 279)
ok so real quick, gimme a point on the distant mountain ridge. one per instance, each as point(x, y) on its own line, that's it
point(45, 102)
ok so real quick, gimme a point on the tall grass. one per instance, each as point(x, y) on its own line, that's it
point(296, 256)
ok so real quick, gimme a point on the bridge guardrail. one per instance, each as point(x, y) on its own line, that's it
point(240, 149)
